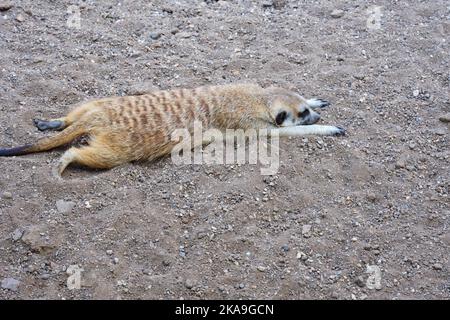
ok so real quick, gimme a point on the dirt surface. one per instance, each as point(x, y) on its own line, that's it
point(338, 205)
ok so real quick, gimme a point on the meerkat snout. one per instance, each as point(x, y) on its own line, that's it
point(308, 117)
point(302, 115)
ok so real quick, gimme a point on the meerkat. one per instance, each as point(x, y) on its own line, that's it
point(132, 128)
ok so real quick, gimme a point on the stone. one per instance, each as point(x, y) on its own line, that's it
point(445, 118)
point(337, 13)
point(302, 256)
point(16, 234)
point(306, 231)
point(155, 35)
point(10, 284)
point(359, 281)
point(33, 237)
point(189, 283)
point(401, 163)
point(416, 93)
point(437, 266)
point(5, 6)
point(267, 4)
point(439, 131)
point(64, 206)
point(372, 197)
point(20, 18)
point(7, 195)
point(261, 268)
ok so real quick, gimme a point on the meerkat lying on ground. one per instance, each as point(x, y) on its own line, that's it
point(124, 129)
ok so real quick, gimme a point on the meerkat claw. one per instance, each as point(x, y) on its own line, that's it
point(340, 132)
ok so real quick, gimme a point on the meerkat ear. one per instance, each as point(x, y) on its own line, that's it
point(281, 116)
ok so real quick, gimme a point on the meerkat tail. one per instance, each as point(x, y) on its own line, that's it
point(44, 144)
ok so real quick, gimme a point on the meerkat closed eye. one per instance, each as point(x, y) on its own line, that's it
point(124, 129)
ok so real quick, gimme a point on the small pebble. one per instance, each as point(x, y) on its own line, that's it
point(261, 268)
point(359, 281)
point(7, 195)
point(20, 18)
point(16, 234)
point(306, 230)
point(155, 35)
point(416, 93)
point(10, 284)
point(437, 266)
point(44, 276)
point(372, 197)
point(302, 256)
point(267, 4)
point(336, 13)
point(401, 163)
point(445, 118)
point(189, 283)
point(182, 252)
point(5, 6)
point(64, 206)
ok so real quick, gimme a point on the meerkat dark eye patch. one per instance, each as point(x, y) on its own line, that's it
point(303, 114)
point(280, 118)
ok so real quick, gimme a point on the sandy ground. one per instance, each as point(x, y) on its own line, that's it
point(340, 212)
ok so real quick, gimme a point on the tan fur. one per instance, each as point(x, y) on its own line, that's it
point(123, 129)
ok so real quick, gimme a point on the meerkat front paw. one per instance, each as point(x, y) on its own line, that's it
point(338, 131)
point(317, 103)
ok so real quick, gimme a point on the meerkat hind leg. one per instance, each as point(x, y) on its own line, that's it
point(64, 122)
point(89, 156)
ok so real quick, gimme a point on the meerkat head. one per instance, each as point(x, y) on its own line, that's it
point(288, 108)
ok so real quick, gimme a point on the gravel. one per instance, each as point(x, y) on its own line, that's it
point(341, 187)
point(337, 13)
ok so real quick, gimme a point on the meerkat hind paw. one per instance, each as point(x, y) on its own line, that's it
point(44, 125)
